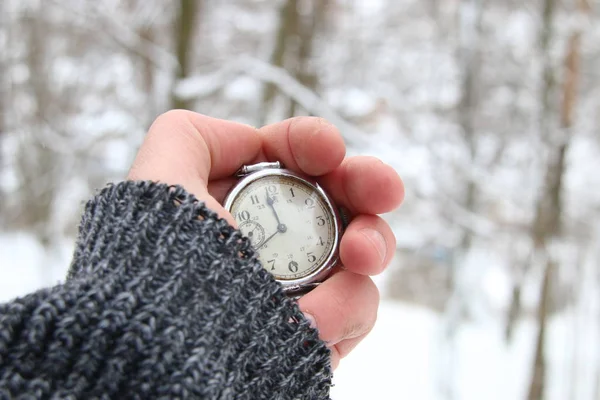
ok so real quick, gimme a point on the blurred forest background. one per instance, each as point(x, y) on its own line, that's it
point(489, 109)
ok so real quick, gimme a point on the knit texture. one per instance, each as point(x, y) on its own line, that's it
point(163, 300)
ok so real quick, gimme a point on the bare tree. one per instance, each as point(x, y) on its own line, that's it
point(185, 26)
point(288, 21)
point(307, 30)
point(37, 163)
point(295, 38)
point(547, 222)
point(469, 54)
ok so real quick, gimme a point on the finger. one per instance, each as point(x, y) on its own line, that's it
point(304, 144)
point(343, 348)
point(368, 245)
point(198, 188)
point(364, 185)
point(182, 146)
point(185, 148)
point(219, 188)
point(343, 307)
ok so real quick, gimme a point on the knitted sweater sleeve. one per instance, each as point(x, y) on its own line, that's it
point(163, 300)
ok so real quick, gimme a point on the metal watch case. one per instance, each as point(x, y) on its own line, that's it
point(251, 173)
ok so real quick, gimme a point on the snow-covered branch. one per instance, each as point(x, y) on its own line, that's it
point(117, 30)
point(202, 86)
point(302, 95)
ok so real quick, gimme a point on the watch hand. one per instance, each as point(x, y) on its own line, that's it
point(252, 231)
point(270, 202)
point(265, 242)
point(250, 234)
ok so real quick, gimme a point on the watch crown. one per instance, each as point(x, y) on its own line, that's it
point(249, 169)
point(345, 216)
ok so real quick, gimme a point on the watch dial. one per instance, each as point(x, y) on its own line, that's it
point(289, 224)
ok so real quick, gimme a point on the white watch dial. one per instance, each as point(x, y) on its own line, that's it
point(289, 224)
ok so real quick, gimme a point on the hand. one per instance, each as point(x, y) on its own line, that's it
point(202, 153)
point(280, 227)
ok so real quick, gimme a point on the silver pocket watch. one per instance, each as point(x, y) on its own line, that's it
point(291, 222)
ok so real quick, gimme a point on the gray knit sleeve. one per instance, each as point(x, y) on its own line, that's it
point(163, 300)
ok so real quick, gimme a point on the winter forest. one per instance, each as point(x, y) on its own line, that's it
point(488, 109)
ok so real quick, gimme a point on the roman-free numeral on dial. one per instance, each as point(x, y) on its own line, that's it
point(293, 266)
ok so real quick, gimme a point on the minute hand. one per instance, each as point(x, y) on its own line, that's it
point(271, 202)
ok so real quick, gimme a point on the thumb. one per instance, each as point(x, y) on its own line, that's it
point(189, 149)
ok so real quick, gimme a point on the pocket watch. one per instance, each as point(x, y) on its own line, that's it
point(291, 222)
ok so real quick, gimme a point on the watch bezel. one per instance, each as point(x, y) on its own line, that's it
point(297, 285)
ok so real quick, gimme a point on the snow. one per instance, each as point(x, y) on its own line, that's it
point(352, 102)
point(400, 360)
point(395, 362)
point(496, 283)
point(25, 266)
point(20, 269)
point(243, 88)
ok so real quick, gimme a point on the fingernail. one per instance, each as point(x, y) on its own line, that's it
point(311, 320)
point(378, 241)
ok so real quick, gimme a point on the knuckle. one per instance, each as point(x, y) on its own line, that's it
point(184, 123)
point(322, 121)
point(321, 126)
point(372, 292)
point(169, 123)
point(172, 116)
point(358, 307)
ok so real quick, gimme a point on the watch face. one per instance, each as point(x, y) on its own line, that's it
point(288, 222)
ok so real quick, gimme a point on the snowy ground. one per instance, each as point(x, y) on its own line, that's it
point(403, 357)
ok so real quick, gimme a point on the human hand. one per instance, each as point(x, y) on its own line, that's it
point(202, 154)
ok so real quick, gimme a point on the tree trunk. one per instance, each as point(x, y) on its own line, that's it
point(547, 223)
point(537, 385)
point(185, 26)
point(544, 221)
point(468, 55)
point(288, 22)
point(4, 85)
point(307, 30)
point(514, 311)
point(36, 163)
point(293, 50)
point(4, 79)
point(147, 81)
